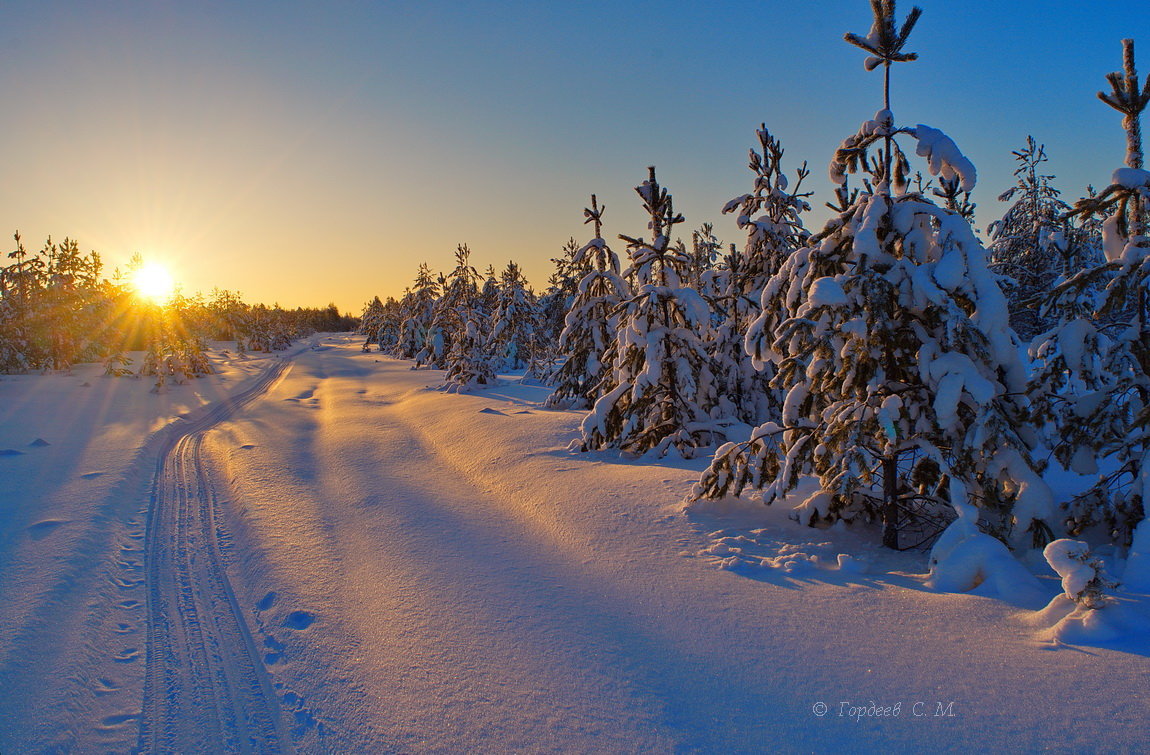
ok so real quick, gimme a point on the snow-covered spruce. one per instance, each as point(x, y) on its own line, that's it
point(749, 315)
point(554, 304)
point(1029, 244)
point(459, 316)
point(370, 322)
point(590, 326)
point(900, 372)
point(659, 390)
point(1101, 410)
point(416, 313)
point(515, 320)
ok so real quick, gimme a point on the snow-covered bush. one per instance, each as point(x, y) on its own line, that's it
point(965, 559)
point(1084, 577)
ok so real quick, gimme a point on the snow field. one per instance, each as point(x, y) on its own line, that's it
point(475, 585)
point(420, 571)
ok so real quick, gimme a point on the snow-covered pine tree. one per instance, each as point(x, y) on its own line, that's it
point(562, 286)
point(461, 319)
point(900, 372)
point(488, 299)
point(1029, 243)
point(387, 329)
point(370, 322)
point(743, 392)
point(515, 321)
point(591, 322)
point(771, 215)
point(660, 390)
point(416, 313)
point(18, 283)
point(1101, 360)
point(705, 251)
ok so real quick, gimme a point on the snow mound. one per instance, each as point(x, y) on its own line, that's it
point(1064, 621)
point(966, 560)
point(1122, 622)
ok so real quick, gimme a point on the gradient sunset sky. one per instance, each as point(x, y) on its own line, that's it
point(303, 153)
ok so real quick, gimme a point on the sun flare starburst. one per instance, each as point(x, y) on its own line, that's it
point(154, 282)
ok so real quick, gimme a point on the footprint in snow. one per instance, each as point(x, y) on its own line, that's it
point(267, 601)
point(105, 687)
point(277, 651)
point(10, 452)
point(39, 443)
point(92, 475)
point(492, 411)
point(304, 718)
point(299, 620)
point(128, 656)
point(117, 720)
point(40, 530)
point(248, 446)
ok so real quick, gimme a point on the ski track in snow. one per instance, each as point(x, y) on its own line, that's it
point(204, 686)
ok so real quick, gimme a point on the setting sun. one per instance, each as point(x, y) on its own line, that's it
point(154, 282)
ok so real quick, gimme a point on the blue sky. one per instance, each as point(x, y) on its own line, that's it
point(307, 152)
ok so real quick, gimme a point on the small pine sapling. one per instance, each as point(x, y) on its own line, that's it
point(1084, 576)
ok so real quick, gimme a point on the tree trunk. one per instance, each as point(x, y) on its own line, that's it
point(890, 501)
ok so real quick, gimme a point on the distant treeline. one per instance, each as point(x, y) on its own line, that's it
point(57, 309)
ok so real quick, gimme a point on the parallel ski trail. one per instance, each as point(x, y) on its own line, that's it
point(205, 688)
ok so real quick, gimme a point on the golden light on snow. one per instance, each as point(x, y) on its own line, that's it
point(154, 282)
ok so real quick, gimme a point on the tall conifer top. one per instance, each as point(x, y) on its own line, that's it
point(1129, 99)
point(885, 41)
